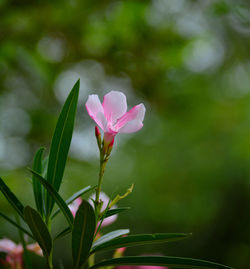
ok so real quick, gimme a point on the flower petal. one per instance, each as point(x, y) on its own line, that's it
point(95, 110)
point(114, 105)
point(35, 248)
point(7, 245)
point(75, 205)
point(105, 199)
point(135, 113)
point(131, 127)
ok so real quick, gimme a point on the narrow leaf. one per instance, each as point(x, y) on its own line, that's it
point(83, 233)
point(63, 233)
point(39, 229)
point(12, 199)
point(73, 197)
point(114, 211)
point(37, 188)
point(139, 239)
point(172, 262)
point(110, 236)
point(58, 199)
point(61, 142)
point(16, 225)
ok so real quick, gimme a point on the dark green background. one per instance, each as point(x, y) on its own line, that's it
point(188, 62)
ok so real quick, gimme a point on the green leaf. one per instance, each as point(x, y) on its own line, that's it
point(61, 142)
point(110, 236)
point(83, 233)
point(139, 239)
point(58, 199)
point(39, 229)
point(172, 262)
point(114, 211)
point(63, 233)
point(16, 225)
point(37, 188)
point(45, 166)
point(12, 199)
point(73, 197)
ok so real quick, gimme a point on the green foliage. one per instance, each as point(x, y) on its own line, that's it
point(60, 143)
point(12, 199)
point(114, 211)
point(37, 187)
point(172, 262)
point(137, 239)
point(83, 233)
point(108, 237)
point(56, 197)
point(39, 229)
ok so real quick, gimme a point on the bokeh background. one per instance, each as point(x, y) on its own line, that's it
point(188, 62)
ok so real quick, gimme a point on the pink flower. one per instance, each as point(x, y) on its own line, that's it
point(15, 251)
point(74, 205)
point(112, 115)
point(105, 199)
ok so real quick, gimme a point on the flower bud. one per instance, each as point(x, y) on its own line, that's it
point(98, 137)
point(110, 146)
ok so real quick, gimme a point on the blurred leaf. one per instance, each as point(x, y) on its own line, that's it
point(12, 199)
point(39, 229)
point(37, 188)
point(73, 197)
point(45, 166)
point(110, 236)
point(63, 233)
point(140, 239)
point(16, 225)
point(61, 142)
point(115, 211)
point(172, 262)
point(58, 199)
point(83, 233)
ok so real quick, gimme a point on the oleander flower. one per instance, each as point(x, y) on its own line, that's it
point(112, 116)
point(15, 251)
point(105, 199)
point(75, 205)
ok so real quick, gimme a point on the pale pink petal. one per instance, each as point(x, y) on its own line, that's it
point(95, 110)
point(75, 205)
point(35, 248)
point(109, 220)
point(114, 105)
point(105, 199)
point(131, 127)
point(135, 113)
point(7, 245)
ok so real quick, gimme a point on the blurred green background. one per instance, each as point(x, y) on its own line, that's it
point(188, 62)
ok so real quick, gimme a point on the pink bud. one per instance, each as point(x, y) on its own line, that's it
point(97, 132)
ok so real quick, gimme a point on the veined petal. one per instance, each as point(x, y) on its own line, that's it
point(131, 127)
point(95, 110)
point(135, 113)
point(114, 105)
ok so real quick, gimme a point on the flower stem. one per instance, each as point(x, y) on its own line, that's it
point(103, 162)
